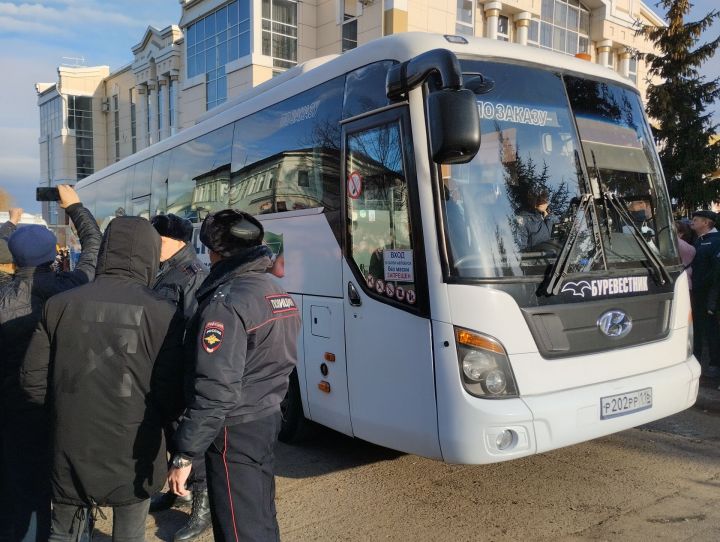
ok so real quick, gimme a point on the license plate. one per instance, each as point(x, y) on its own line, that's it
point(625, 403)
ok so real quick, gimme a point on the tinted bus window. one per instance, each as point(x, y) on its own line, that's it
point(199, 175)
point(111, 197)
point(365, 89)
point(141, 178)
point(287, 156)
point(159, 183)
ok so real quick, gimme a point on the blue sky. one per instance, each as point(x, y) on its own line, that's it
point(38, 36)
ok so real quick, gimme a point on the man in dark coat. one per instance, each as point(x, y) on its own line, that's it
point(181, 273)
point(104, 358)
point(243, 338)
point(707, 246)
point(24, 426)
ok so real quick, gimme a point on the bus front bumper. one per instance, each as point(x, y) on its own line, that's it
point(473, 428)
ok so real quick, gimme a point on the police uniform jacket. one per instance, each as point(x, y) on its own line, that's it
point(706, 249)
point(243, 346)
point(22, 299)
point(104, 357)
point(180, 277)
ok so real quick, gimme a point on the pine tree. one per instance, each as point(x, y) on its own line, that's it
point(679, 103)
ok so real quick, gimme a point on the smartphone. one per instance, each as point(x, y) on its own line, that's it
point(47, 193)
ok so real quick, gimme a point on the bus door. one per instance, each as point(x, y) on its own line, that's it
point(387, 327)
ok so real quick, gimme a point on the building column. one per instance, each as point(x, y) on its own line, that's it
point(175, 78)
point(522, 25)
point(492, 12)
point(141, 116)
point(150, 121)
point(395, 17)
point(165, 128)
point(603, 48)
point(625, 56)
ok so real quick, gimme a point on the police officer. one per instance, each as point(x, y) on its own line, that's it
point(243, 337)
point(707, 246)
point(181, 273)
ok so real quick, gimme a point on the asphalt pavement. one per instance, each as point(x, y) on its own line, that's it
point(709, 395)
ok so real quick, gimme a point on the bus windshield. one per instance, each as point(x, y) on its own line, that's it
point(509, 211)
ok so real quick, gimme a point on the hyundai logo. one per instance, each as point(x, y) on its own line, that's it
point(615, 323)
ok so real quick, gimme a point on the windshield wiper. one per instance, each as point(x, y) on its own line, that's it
point(559, 268)
point(661, 274)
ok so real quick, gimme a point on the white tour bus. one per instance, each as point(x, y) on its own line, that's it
point(463, 298)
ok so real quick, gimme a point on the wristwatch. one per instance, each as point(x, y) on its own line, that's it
point(180, 461)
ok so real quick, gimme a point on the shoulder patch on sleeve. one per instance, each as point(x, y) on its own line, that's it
point(212, 336)
point(280, 303)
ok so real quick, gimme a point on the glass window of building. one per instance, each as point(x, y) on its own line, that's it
point(279, 32)
point(564, 26)
point(50, 117)
point(534, 32)
point(213, 41)
point(503, 29)
point(351, 10)
point(465, 18)
point(148, 120)
point(160, 110)
point(171, 101)
point(633, 69)
point(218, 38)
point(80, 120)
point(133, 122)
point(116, 126)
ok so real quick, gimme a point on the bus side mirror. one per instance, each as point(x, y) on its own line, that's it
point(454, 125)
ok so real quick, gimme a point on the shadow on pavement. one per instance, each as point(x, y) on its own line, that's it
point(327, 451)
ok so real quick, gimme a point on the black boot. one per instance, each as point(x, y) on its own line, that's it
point(165, 501)
point(199, 518)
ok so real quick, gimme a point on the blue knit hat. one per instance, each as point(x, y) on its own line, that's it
point(32, 246)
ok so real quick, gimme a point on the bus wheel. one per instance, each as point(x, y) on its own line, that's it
point(295, 427)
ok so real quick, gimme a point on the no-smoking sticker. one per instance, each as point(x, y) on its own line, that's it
point(354, 185)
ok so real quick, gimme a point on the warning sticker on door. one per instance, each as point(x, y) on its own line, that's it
point(354, 185)
point(398, 265)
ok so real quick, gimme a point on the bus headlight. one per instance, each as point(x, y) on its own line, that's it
point(484, 366)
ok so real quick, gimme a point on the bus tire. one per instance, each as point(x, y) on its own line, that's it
point(294, 427)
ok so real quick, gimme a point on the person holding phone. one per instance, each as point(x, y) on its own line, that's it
point(24, 427)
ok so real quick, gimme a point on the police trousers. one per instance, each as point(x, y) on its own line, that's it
point(241, 481)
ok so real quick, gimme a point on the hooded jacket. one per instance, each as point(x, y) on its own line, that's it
point(243, 342)
point(109, 378)
point(23, 296)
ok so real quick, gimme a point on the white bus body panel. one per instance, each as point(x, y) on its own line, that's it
point(324, 332)
point(312, 253)
point(390, 375)
point(559, 402)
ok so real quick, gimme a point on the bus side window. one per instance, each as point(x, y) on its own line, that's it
point(381, 243)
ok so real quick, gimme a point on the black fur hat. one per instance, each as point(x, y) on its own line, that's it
point(173, 226)
point(230, 231)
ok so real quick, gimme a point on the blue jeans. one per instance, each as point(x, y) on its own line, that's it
point(69, 522)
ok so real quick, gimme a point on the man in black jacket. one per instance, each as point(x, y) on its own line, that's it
point(104, 357)
point(244, 341)
point(181, 273)
point(24, 426)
